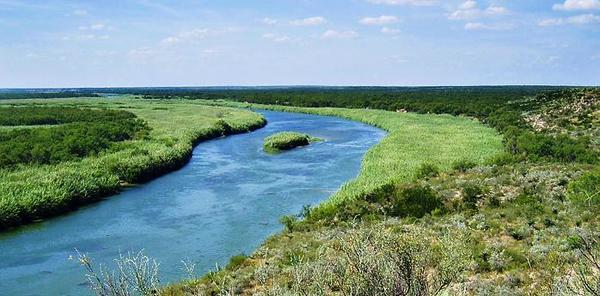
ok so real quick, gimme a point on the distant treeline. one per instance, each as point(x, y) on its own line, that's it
point(475, 101)
point(18, 95)
point(57, 115)
point(471, 100)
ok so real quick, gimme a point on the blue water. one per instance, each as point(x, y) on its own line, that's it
point(226, 201)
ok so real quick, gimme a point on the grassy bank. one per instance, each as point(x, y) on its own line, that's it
point(413, 140)
point(32, 192)
point(431, 221)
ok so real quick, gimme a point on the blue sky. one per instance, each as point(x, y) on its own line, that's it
point(61, 43)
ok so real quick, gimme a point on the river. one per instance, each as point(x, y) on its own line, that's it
point(224, 202)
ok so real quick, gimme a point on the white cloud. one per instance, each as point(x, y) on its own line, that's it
point(399, 59)
point(86, 37)
point(390, 31)
point(469, 10)
point(332, 34)
point(578, 5)
point(309, 21)
point(468, 5)
point(195, 35)
point(405, 2)
point(270, 21)
point(277, 38)
point(380, 20)
point(474, 26)
point(584, 19)
point(80, 12)
point(97, 27)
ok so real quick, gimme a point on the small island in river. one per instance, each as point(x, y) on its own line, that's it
point(286, 141)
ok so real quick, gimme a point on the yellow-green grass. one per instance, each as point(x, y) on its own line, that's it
point(413, 139)
point(34, 192)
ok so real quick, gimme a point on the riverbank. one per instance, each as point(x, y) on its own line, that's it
point(413, 140)
point(514, 226)
point(227, 200)
point(30, 193)
point(441, 141)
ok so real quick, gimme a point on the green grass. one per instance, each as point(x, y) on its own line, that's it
point(286, 141)
point(413, 140)
point(34, 192)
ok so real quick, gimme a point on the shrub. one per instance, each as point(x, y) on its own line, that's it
point(427, 170)
point(520, 233)
point(464, 165)
point(586, 278)
point(585, 190)
point(290, 222)
point(472, 194)
point(415, 201)
point(236, 261)
point(135, 274)
point(375, 261)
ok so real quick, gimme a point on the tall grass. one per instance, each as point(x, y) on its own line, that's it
point(413, 140)
point(29, 193)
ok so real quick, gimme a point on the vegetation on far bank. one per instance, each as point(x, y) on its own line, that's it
point(413, 140)
point(98, 147)
point(524, 223)
point(69, 133)
point(287, 140)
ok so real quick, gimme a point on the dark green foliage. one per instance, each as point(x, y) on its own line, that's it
point(523, 141)
point(575, 242)
point(17, 94)
point(13, 116)
point(463, 165)
point(561, 147)
point(472, 194)
point(471, 100)
point(415, 201)
point(88, 132)
point(428, 170)
point(290, 222)
point(236, 262)
point(411, 200)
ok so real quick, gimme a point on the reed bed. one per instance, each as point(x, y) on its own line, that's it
point(29, 193)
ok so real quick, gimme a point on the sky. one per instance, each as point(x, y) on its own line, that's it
point(118, 43)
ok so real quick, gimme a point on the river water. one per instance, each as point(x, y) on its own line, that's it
point(224, 202)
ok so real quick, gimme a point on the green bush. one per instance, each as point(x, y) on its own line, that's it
point(415, 201)
point(585, 190)
point(64, 143)
point(290, 222)
point(463, 165)
point(236, 262)
point(472, 194)
point(427, 170)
